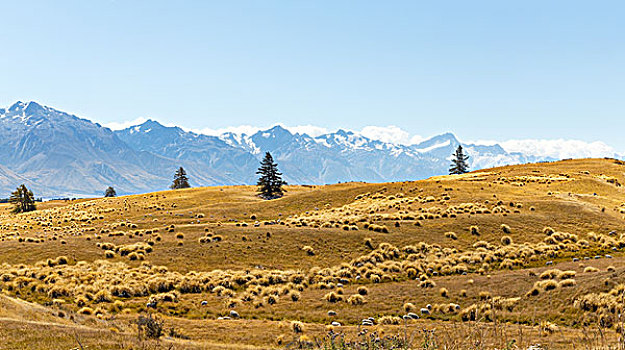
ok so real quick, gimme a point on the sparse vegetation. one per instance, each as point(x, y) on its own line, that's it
point(103, 262)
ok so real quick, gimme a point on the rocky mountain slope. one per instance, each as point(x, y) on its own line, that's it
point(59, 154)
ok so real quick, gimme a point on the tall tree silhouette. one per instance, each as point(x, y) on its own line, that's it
point(270, 182)
point(180, 180)
point(23, 199)
point(459, 163)
point(110, 192)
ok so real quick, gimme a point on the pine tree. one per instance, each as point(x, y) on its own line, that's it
point(459, 164)
point(23, 199)
point(180, 180)
point(270, 182)
point(110, 192)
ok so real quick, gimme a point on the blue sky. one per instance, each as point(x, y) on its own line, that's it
point(485, 70)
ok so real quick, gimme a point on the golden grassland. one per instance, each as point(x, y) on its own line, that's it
point(511, 256)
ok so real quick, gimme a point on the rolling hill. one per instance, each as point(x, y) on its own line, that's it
point(525, 255)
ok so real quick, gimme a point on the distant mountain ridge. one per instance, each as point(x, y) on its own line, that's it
point(59, 154)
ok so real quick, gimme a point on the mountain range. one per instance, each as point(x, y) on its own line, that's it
point(58, 154)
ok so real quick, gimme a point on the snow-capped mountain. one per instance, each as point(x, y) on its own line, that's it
point(59, 154)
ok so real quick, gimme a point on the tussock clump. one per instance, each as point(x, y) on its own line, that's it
point(369, 243)
point(136, 256)
point(548, 328)
point(103, 296)
point(549, 274)
point(356, 299)
point(548, 231)
point(390, 320)
point(545, 285)
point(569, 282)
point(332, 297)
point(506, 240)
point(427, 283)
point(409, 307)
point(378, 228)
point(362, 290)
point(309, 250)
point(567, 274)
point(451, 235)
point(86, 311)
point(475, 230)
point(590, 269)
point(444, 292)
point(533, 292)
point(297, 326)
point(505, 228)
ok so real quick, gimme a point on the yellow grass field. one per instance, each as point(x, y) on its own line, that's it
point(499, 258)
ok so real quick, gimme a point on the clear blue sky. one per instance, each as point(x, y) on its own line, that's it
point(482, 69)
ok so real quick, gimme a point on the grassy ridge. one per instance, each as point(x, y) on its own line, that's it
point(476, 240)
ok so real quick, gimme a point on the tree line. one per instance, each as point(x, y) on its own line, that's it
point(270, 183)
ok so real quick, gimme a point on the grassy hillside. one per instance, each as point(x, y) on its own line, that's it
point(530, 254)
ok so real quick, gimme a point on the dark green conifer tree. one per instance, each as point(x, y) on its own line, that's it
point(270, 182)
point(459, 163)
point(23, 199)
point(180, 180)
point(110, 192)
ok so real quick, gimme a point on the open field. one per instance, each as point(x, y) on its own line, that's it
point(529, 254)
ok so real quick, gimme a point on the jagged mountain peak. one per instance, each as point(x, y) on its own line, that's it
point(275, 132)
point(63, 154)
point(146, 126)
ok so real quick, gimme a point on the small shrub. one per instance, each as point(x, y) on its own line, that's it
point(475, 230)
point(150, 327)
point(409, 307)
point(86, 311)
point(297, 327)
point(309, 250)
point(103, 296)
point(484, 295)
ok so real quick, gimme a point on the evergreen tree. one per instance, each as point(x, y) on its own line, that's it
point(23, 199)
point(180, 180)
point(110, 192)
point(270, 181)
point(459, 164)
